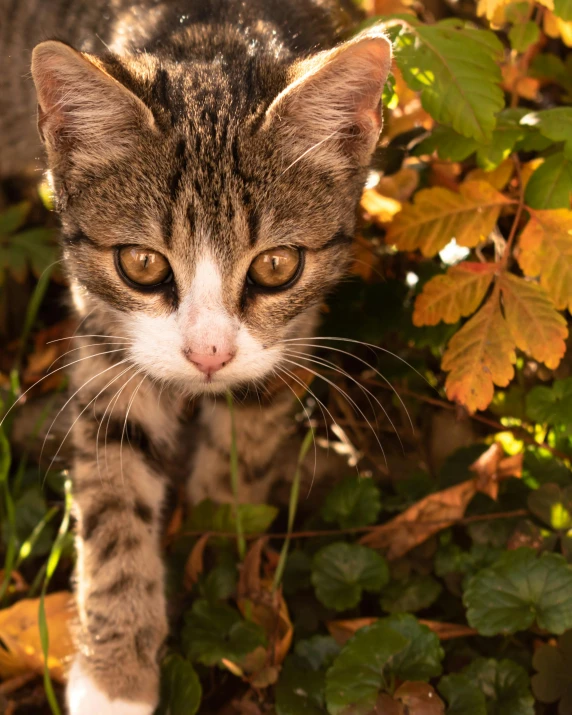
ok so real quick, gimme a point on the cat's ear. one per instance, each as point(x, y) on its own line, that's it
point(82, 111)
point(332, 108)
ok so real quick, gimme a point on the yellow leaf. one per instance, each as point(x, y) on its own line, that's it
point(458, 293)
point(20, 635)
point(493, 10)
point(439, 215)
point(478, 357)
point(379, 207)
point(498, 177)
point(556, 27)
point(528, 170)
point(545, 250)
point(534, 323)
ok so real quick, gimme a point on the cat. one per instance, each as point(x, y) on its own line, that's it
point(207, 157)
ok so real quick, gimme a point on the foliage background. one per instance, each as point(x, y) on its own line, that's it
point(435, 575)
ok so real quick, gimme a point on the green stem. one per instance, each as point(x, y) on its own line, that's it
point(292, 507)
point(241, 542)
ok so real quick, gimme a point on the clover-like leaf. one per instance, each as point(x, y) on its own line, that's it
point(300, 689)
point(341, 572)
point(421, 658)
point(319, 651)
point(352, 502)
point(519, 590)
point(357, 675)
point(411, 594)
point(463, 695)
point(216, 631)
point(505, 685)
point(553, 681)
point(181, 690)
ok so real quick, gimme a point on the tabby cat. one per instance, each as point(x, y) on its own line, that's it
point(207, 157)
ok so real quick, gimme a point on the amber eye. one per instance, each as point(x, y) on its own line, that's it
point(275, 268)
point(143, 266)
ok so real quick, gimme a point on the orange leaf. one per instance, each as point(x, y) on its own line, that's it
point(195, 563)
point(545, 250)
point(420, 699)
point(478, 357)
point(400, 185)
point(439, 215)
point(498, 177)
point(20, 635)
point(341, 631)
point(458, 293)
point(536, 326)
point(556, 27)
point(381, 208)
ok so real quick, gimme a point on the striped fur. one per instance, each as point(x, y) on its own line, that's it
point(208, 131)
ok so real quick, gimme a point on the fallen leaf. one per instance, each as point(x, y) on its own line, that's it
point(534, 323)
point(478, 357)
point(492, 467)
point(439, 215)
point(194, 566)
point(515, 79)
point(456, 294)
point(419, 699)
point(20, 636)
point(399, 186)
point(342, 630)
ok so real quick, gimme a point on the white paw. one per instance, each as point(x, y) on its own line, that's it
point(85, 698)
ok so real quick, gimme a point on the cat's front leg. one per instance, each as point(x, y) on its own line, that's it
point(122, 620)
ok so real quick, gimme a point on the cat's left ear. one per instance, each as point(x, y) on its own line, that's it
point(332, 108)
point(85, 117)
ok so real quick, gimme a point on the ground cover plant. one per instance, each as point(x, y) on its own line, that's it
point(433, 573)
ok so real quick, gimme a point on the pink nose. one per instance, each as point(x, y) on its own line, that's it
point(209, 363)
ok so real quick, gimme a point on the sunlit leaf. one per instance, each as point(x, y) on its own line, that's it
point(550, 186)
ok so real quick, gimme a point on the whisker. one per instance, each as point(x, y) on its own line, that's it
point(349, 399)
point(125, 425)
point(80, 414)
point(91, 335)
point(81, 347)
point(116, 400)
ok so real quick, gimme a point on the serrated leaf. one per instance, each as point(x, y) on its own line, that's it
point(357, 675)
point(534, 323)
point(456, 70)
point(553, 505)
point(550, 186)
point(551, 405)
point(421, 658)
point(519, 590)
point(553, 681)
point(216, 631)
point(352, 502)
point(463, 695)
point(341, 572)
point(300, 689)
point(505, 685)
point(545, 250)
point(478, 357)
point(456, 294)
point(180, 687)
point(523, 35)
point(439, 215)
point(410, 595)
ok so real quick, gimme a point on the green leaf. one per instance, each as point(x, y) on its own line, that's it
point(421, 658)
point(463, 695)
point(216, 631)
point(341, 572)
point(352, 502)
point(319, 651)
point(553, 681)
point(563, 8)
point(523, 35)
point(555, 124)
point(220, 582)
point(456, 70)
point(181, 690)
point(358, 673)
point(447, 143)
point(551, 405)
point(410, 595)
point(541, 467)
point(550, 185)
point(208, 516)
point(300, 689)
point(519, 590)
point(552, 505)
point(13, 217)
point(505, 685)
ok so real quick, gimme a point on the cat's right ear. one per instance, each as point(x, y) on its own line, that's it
point(83, 112)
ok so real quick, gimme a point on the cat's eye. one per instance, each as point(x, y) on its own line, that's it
point(143, 267)
point(275, 268)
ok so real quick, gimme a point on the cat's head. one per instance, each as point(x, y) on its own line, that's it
point(206, 215)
